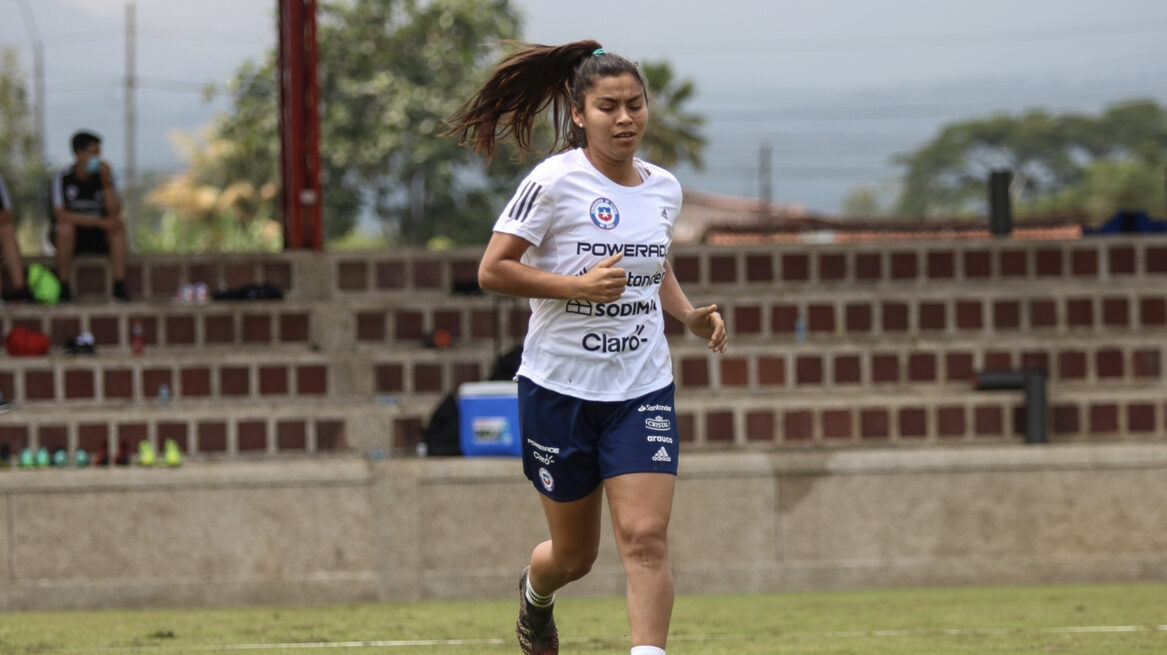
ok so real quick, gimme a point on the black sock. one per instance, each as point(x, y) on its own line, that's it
point(119, 290)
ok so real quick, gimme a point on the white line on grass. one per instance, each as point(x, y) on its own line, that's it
point(418, 643)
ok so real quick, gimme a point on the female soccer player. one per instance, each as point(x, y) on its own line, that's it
point(586, 238)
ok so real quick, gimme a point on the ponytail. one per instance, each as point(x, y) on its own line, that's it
point(525, 84)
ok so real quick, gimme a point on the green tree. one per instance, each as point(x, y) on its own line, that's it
point(673, 134)
point(390, 72)
point(862, 202)
point(24, 170)
point(1050, 156)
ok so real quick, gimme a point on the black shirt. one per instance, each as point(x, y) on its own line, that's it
point(74, 194)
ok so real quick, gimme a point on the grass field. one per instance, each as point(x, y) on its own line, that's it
point(1111, 619)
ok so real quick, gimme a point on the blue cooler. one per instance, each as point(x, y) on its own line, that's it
point(489, 419)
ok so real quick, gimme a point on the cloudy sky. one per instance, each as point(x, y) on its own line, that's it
point(834, 88)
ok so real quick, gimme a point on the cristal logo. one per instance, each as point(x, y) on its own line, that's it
point(658, 423)
point(604, 214)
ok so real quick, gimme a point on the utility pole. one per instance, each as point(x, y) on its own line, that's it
point(130, 195)
point(38, 68)
point(764, 161)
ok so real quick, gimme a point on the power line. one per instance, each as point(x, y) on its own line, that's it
point(995, 36)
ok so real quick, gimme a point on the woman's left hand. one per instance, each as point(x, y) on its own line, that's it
point(706, 322)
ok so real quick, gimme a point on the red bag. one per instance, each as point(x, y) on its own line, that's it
point(23, 342)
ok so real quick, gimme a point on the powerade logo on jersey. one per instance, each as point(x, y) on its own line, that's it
point(604, 214)
point(606, 343)
point(659, 250)
point(611, 310)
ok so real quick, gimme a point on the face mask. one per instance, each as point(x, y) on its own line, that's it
point(94, 165)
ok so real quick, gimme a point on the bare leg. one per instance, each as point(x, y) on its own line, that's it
point(66, 241)
point(117, 253)
point(574, 543)
point(641, 504)
point(10, 253)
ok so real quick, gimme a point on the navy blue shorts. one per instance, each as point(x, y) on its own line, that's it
point(571, 445)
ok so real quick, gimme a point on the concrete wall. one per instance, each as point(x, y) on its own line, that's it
point(348, 530)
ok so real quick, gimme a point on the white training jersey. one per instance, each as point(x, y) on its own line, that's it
point(575, 217)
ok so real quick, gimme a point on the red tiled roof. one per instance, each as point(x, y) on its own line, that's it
point(822, 230)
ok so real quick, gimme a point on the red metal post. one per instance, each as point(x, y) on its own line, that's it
point(300, 198)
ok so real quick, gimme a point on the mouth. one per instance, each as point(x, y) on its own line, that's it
point(625, 135)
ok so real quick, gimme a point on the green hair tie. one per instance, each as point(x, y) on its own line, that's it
point(599, 51)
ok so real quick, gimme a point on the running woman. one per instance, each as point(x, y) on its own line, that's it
point(586, 238)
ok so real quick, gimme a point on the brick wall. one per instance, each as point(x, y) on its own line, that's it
point(893, 335)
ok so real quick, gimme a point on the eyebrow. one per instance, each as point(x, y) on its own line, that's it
point(638, 96)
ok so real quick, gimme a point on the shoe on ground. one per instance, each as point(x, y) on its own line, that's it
point(66, 294)
point(146, 454)
point(21, 295)
point(171, 453)
point(119, 291)
point(536, 625)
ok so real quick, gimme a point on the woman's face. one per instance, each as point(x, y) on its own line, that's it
point(614, 116)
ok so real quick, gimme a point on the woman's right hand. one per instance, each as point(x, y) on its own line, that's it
point(604, 282)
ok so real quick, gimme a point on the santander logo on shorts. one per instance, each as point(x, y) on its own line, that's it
point(546, 480)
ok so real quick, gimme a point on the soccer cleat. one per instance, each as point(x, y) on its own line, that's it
point(146, 454)
point(536, 625)
point(171, 454)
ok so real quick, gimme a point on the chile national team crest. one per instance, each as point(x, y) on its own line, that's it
point(604, 214)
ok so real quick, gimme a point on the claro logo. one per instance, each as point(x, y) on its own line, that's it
point(606, 343)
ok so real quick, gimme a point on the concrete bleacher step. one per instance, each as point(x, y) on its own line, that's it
point(893, 334)
point(186, 375)
point(210, 428)
point(924, 415)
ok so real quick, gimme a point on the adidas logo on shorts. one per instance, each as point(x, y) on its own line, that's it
point(662, 455)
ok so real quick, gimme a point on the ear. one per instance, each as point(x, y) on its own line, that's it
point(576, 116)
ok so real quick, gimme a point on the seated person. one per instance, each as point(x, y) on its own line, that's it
point(10, 251)
point(86, 216)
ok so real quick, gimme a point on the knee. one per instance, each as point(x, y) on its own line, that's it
point(65, 231)
point(576, 564)
point(645, 544)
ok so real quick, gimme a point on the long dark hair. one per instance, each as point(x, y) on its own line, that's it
point(526, 83)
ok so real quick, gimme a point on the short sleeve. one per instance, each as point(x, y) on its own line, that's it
point(57, 193)
point(530, 211)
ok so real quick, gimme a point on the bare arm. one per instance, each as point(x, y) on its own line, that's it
point(64, 216)
point(705, 322)
point(113, 202)
point(502, 271)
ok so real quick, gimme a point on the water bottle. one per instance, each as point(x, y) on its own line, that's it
point(164, 395)
point(800, 329)
point(137, 337)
